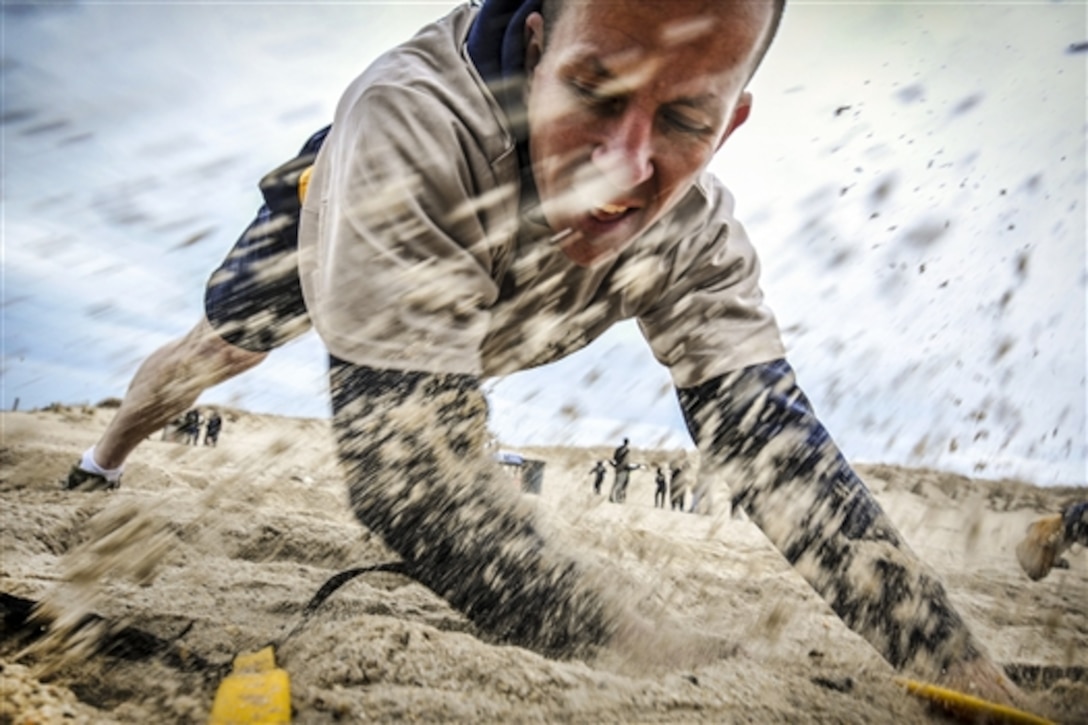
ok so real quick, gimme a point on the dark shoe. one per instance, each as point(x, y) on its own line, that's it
point(1040, 550)
point(78, 479)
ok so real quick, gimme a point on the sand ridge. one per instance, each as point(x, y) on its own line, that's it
point(236, 539)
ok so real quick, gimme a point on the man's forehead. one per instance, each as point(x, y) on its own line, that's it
point(603, 35)
point(675, 19)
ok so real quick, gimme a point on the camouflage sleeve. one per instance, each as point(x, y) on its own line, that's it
point(412, 448)
point(790, 477)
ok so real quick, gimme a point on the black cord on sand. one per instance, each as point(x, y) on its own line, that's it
point(23, 620)
point(331, 585)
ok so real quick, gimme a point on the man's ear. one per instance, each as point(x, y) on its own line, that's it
point(534, 42)
point(740, 115)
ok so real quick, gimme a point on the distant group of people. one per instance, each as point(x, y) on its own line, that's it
point(670, 485)
point(190, 424)
point(1038, 552)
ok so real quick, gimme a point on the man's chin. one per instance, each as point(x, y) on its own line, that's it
point(584, 253)
point(593, 246)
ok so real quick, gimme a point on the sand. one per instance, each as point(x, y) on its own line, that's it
point(235, 540)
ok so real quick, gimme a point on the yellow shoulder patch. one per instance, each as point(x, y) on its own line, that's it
point(304, 183)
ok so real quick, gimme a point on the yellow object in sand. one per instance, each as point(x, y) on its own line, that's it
point(969, 707)
point(256, 691)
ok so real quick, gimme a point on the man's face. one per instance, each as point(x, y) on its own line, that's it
point(627, 106)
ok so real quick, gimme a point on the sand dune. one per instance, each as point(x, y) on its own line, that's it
point(209, 552)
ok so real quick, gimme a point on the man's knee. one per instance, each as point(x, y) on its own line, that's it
point(204, 347)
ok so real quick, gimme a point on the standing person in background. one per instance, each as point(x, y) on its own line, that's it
point(677, 487)
point(191, 427)
point(622, 453)
point(661, 491)
point(212, 428)
point(598, 472)
point(492, 195)
point(623, 480)
point(621, 472)
point(619, 493)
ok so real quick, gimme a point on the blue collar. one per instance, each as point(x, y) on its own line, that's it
point(496, 46)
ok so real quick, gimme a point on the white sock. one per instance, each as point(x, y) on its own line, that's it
point(87, 463)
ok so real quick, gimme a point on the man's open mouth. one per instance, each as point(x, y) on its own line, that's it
point(608, 212)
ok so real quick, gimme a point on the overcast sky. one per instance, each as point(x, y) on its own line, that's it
point(913, 176)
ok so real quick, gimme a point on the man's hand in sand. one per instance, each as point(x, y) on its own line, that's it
point(985, 679)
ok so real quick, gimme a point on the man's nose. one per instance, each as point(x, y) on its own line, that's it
point(625, 154)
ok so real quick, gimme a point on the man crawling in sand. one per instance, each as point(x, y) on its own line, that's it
point(493, 195)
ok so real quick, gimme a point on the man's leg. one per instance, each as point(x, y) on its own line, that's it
point(167, 384)
point(253, 303)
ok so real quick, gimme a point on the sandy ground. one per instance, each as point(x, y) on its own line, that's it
point(235, 540)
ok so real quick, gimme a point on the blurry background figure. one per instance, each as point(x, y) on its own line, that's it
point(598, 472)
point(619, 459)
point(676, 487)
point(662, 490)
point(622, 474)
point(212, 428)
point(191, 428)
point(1047, 538)
point(701, 491)
point(623, 479)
